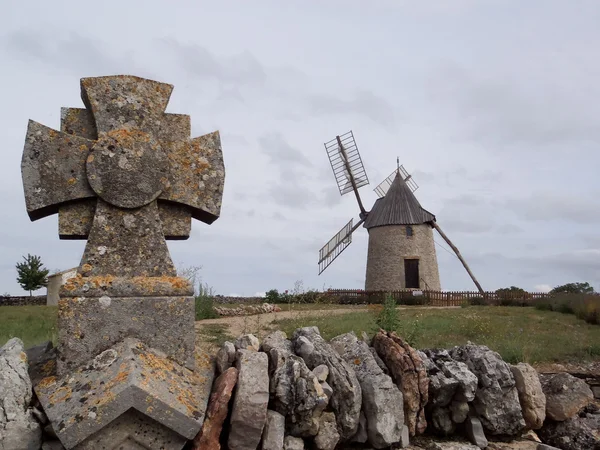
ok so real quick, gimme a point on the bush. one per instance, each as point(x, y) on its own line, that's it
point(204, 308)
point(584, 306)
point(477, 301)
point(388, 317)
point(272, 296)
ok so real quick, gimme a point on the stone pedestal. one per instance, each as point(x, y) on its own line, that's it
point(127, 374)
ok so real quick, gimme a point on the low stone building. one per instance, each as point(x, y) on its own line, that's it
point(55, 281)
point(401, 252)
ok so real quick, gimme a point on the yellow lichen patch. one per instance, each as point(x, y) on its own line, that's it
point(83, 147)
point(61, 394)
point(46, 382)
point(72, 180)
point(23, 356)
point(86, 268)
point(48, 367)
point(90, 158)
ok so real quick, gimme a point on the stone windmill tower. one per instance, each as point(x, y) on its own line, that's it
point(401, 253)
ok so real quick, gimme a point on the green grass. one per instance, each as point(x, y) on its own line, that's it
point(32, 324)
point(518, 334)
point(294, 306)
point(215, 333)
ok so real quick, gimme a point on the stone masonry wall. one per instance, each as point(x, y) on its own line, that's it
point(389, 246)
point(23, 300)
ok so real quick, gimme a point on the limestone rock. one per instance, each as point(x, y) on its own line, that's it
point(321, 372)
point(576, 433)
point(565, 395)
point(409, 374)
point(225, 357)
point(247, 342)
point(451, 446)
point(475, 432)
point(277, 339)
point(41, 360)
point(274, 431)
point(531, 396)
point(216, 413)
point(361, 435)
point(52, 445)
point(496, 400)
point(249, 412)
point(328, 435)
point(327, 390)
point(293, 443)
point(449, 380)
point(347, 395)
point(18, 428)
point(381, 399)
point(546, 447)
point(441, 420)
point(295, 390)
point(518, 444)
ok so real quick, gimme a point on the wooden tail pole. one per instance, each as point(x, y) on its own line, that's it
point(464, 263)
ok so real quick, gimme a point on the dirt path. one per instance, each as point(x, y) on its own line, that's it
point(261, 323)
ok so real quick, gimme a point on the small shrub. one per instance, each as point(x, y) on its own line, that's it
point(565, 308)
point(388, 317)
point(543, 305)
point(204, 308)
point(477, 301)
point(272, 296)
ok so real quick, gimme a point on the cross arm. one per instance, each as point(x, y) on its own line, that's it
point(197, 176)
point(53, 169)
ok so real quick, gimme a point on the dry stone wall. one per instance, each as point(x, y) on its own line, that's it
point(24, 300)
point(352, 392)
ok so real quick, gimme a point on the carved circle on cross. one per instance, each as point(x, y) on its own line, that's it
point(127, 168)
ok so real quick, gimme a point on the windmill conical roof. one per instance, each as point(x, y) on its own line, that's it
point(399, 206)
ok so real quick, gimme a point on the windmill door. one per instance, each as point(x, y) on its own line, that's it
point(411, 273)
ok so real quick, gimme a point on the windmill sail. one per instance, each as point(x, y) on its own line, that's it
point(384, 186)
point(346, 163)
point(336, 245)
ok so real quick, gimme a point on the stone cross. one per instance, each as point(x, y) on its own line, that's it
point(123, 174)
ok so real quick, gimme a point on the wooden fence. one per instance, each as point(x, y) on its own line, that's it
point(437, 298)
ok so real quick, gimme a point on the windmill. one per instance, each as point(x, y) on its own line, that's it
point(401, 250)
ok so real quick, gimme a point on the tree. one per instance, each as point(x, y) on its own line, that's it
point(31, 274)
point(573, 288)
point(510, 289)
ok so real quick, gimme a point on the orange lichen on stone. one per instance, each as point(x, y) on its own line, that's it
point(46, 382)
point(62, 394)
point(48, 367)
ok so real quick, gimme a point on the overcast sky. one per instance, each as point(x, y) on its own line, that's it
point(493, 106)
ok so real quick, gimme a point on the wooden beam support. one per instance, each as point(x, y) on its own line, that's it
point(464, 263)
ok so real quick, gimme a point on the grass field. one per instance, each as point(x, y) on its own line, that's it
point(33, 324)
point(518, 334)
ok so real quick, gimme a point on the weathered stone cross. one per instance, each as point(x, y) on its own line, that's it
point(123, 174)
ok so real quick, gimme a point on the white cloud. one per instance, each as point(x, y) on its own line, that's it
point(497, 128)
point(542, 288)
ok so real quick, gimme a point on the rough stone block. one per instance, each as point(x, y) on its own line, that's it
point(91, 404)
point(88, 326)
point(249, 411)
